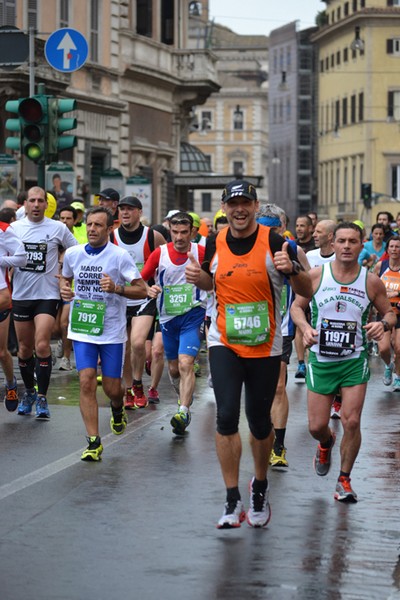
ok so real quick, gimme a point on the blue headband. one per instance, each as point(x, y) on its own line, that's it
point(269, 221)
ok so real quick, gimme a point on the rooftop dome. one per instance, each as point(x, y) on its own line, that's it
point(193, 160)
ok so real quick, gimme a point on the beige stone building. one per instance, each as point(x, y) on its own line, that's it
point(359, 107)
point(231, 128)
point(134, 94)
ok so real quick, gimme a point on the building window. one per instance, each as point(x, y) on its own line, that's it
point(305, 85)
point(338, 57)
point(346, 9)
point(144, 17)
point(395, 181)
point(304, 185)
point(238, 119)
point(206, 202)
point(327, 63)
point(304, 110)
point(280, 111)
point(64, 13)
point(304, 160)
point(275, 61)
point(353, 113)
point(305, 59)
point(337, 114)
point(393, 3)
point(345, 54)
point(304, 135)
point(332, 60)
point(167, 22)
point(337, 185)
point(354, 5)
point(288, 109)
point(238, 168)
point(32, 14)
point(361, 106)
point(7, 12)
point(288, 59)
point(344, 111)
point(94, 30)
point(393, 46)
point(96, 82)
point(321, 66)
point(393, 110)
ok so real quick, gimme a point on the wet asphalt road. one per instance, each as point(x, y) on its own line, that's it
point(141, 524)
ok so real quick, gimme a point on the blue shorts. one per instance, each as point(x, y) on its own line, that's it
point(181, 335)
point(111, 356)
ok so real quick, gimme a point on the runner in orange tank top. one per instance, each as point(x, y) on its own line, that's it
point(245, 264)
point(389, 272)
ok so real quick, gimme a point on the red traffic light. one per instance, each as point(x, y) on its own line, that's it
point(31, 110)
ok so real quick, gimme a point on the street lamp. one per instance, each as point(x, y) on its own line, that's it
point(357, 43)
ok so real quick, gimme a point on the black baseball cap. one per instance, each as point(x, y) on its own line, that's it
point(109, 194)
point(239, 187)
point(131, 201)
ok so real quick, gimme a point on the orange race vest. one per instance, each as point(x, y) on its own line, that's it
point(242, 280)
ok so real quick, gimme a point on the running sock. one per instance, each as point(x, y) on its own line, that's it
point(137, 382)
point(260, 487)
point(279, 438)
point(301, 362)
point(327, 444)
point(232, 494)
point(43, 373)
point(343, 474)
point(11, 384)
point(27, 370)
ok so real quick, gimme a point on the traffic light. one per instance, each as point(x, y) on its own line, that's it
point(366, 194)
point(13, 142)
point(58, 125)
point(34, 127)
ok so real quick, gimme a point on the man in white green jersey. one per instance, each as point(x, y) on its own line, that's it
point(337, 337)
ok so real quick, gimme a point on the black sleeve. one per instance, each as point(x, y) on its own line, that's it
point(276, 242)
point(211, 248)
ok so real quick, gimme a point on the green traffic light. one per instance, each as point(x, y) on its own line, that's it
point(33, 151)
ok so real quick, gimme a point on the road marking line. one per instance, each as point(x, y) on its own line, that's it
point(8, 489)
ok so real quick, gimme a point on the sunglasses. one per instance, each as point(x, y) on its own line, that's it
point(181, 222)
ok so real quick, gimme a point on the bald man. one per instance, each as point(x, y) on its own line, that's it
point(323, 235)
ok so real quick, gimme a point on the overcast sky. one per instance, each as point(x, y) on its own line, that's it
point(258, 17)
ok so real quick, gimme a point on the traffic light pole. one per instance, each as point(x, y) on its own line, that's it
point(41, 174)
point(31, 61)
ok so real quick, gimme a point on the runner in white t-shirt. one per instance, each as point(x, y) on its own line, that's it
point(5, 297)
point(97, 322)
point(36, 298)
point(12, 254)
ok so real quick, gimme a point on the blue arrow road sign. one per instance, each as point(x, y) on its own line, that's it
point(66, 50)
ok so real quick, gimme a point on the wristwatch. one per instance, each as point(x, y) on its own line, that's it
point(386, 326)
point(296, 268)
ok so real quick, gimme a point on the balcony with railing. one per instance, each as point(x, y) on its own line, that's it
point(142, 57)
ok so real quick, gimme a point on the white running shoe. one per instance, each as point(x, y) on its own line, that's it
point(234, 515)
point(259, 512)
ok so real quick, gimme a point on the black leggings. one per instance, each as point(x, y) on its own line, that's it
point(260, 378)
